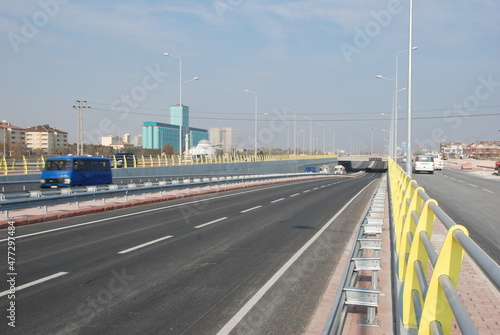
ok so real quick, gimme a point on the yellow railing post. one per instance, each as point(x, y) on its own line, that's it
point(408, 227)
point(25, 165)
point(143, 161)
point(449, 263)
point(5, 167)
point(417, 254)
point(151, 160)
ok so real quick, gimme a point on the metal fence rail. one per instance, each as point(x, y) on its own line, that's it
point(66, 195)
point(430, 305)
point(368, 239)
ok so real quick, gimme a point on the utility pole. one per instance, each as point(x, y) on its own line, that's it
point(79, 139)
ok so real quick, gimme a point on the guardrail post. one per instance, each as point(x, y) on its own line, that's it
point(436, 306)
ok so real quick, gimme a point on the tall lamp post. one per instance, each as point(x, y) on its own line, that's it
point(4, 137)
point(372, 143)
point(294, 130)
point(324, 137)
point(311, 135)
point(180, 97)
point(255, 127)
point(408, 131)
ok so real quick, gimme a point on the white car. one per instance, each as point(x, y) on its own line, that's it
point(423, 163)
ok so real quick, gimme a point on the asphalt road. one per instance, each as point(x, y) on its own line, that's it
point(469, 200)
point(253, 261)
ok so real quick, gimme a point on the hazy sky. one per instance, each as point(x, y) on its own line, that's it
point(318, 58)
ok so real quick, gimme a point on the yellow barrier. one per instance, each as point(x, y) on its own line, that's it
point(412, 255)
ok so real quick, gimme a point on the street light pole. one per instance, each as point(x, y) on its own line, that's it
point(372, 143)
point(408, 132)
point(255, 127)
point(324, 137)
point(294, 130)
point(311, 135)
point(180, 98)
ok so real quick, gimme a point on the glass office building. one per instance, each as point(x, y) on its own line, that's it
point(155, 135)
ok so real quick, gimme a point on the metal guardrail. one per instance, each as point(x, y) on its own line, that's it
point(430, 305)
point(368, 239)
point(66, 195)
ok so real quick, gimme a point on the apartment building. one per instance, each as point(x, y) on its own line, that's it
point(47, 139)
point(10, 136)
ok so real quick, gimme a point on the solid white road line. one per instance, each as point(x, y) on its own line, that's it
point(260, 293)
point(277, 200)
point(144, 244)
point(250, 209)
point(18, 288)
point(209, 223)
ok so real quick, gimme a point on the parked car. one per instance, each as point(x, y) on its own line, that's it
point(423, 163)
point(124, 159)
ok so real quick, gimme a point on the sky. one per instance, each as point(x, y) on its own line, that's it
point(311, 65)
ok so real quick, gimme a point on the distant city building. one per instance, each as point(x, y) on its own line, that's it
point(11, 135)
point(121, 146)
point(483, 149)
point(49, 140)
point(222, 138)
point(137, 141)
point(126, 138)
point(109, 140)
point(452, 149)
point(155, 135)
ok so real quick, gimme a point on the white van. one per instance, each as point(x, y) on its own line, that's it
point(438, 161)
point(339, 169)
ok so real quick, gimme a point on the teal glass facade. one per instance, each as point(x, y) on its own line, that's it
point(156, 134)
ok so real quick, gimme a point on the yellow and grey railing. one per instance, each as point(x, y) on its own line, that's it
point(25, 165)
point(430, 303)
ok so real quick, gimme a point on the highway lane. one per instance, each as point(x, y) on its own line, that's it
point(188, 266)
point(469, 200)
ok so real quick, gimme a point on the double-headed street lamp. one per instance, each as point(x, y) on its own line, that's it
point(180, 98)
point(394, 122)
point(294, 130)
point(324, 137)
point(255, 127)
